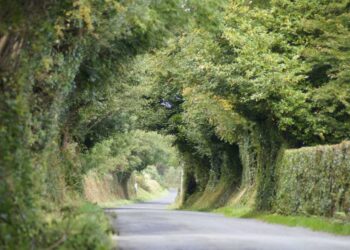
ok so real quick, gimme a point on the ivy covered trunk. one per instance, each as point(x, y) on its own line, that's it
point(269, 149)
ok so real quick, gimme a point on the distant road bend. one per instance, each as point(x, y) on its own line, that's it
point(151, 226)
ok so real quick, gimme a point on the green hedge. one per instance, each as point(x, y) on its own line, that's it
point(314, 180)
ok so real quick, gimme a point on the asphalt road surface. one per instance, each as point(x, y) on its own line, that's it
point(152, 226)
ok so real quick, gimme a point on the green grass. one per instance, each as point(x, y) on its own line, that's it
point(146, 196)
point(238, 212)
point(315, 223)
point(141, 196)
point(114, 203)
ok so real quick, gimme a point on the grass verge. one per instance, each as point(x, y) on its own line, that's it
point(315, 223)
point(141, 196)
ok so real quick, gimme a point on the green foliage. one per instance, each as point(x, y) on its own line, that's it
point(166, 176)
point(232, 81)
point(262, 64)
point(314, 180)
point(289, 66)
point(133, 151)
point(78, 225)
point(85, 226)
point(65, 86)
point(272, 74)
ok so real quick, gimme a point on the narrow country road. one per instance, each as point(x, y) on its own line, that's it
point(151, 226)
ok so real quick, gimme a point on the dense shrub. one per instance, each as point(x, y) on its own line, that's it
point(65, 85)
point(314, 180)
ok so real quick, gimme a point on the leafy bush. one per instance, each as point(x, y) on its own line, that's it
point(83, 226)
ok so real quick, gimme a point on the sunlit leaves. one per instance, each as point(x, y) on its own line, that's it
point(127, 152)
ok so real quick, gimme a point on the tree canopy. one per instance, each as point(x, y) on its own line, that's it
point(83, 82)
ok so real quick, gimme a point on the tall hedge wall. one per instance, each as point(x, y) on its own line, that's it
point(314, 180)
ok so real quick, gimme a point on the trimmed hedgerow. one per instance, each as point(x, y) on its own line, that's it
point(314, 180)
